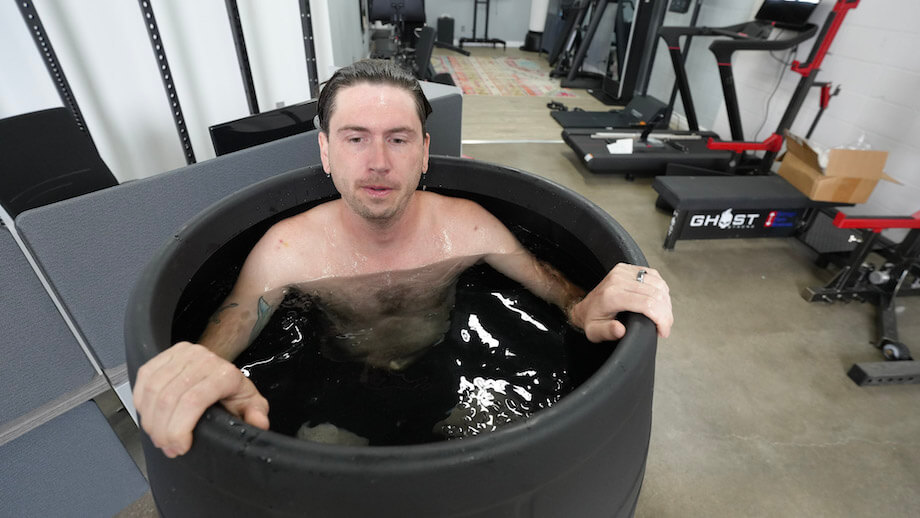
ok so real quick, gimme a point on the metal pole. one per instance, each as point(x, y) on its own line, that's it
point(475, 13)
point(156, 43)
point(40, 37)
point(693, 19)
point(306, 24)
point(242, 56)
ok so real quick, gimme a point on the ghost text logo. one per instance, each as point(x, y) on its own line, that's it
point(724, 220)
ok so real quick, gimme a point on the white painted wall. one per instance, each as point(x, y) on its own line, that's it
point(873, 58)
point(350, 41)
point(103, 49)
point(508, 19)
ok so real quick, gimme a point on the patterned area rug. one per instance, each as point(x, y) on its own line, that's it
point(499, 76)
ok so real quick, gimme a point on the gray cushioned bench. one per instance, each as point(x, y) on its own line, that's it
point(42, 363)
point(73, 465)
point(58, 454)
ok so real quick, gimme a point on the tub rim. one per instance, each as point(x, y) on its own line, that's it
point(219, 427)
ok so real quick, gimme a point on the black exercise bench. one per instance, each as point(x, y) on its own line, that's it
point(721, 207)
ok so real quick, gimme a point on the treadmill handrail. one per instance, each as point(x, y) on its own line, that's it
point(772, 143)
point(723, 49)
point(828, 32)
point(671, 33)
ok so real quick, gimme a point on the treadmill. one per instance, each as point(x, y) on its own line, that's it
point(641, 110)
point(700, 152)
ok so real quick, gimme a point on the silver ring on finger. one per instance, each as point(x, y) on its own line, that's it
point(640, 277)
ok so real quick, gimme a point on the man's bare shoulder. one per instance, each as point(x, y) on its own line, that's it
point(309, 221)
point(451, 207)
point(472, 227)
point(292, 249)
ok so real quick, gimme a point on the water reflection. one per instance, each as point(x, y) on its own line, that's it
point(475, 352)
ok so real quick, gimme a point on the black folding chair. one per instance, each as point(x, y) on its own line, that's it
point(46, 158)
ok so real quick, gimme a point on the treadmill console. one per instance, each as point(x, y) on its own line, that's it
point(786, 14)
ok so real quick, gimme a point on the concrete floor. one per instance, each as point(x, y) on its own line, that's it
point(753, 414)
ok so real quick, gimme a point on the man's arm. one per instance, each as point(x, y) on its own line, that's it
point(595, 313)
point(175, 387)
point(240, 319)
point(541, 278)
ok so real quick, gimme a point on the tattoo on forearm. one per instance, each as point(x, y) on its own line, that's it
point(215, 319)
point(265, 313)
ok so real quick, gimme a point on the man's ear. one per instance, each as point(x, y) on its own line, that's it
point(425, 156)
point(324, 149)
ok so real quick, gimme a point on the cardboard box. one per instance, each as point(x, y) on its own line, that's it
point(850, 175)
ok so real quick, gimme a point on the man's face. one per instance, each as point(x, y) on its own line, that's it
point(375, 149)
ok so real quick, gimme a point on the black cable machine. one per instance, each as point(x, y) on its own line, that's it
point(698, 152)
point(579, 40)
point(634, 59)
point(642, 109)
point(630, 62)
point(573, 13)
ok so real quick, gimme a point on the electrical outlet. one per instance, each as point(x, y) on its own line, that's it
point(279, 104)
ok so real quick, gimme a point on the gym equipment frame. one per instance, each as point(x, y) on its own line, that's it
point(43, 43)
point(862, 281)
point(485, 38)
point(242, 55)
point(169, 86)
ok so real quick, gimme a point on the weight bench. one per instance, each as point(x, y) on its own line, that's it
point(723, 207)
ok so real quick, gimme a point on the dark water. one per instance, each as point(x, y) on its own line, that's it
point(507, 354)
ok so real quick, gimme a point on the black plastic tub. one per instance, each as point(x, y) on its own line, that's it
point(582, 458)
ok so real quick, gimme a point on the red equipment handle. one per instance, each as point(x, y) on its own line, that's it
point(840, 12)
point(773, 143)
point(825, 95)
point(877, 223)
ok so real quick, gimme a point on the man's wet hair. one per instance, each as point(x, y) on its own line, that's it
point(371, 71)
